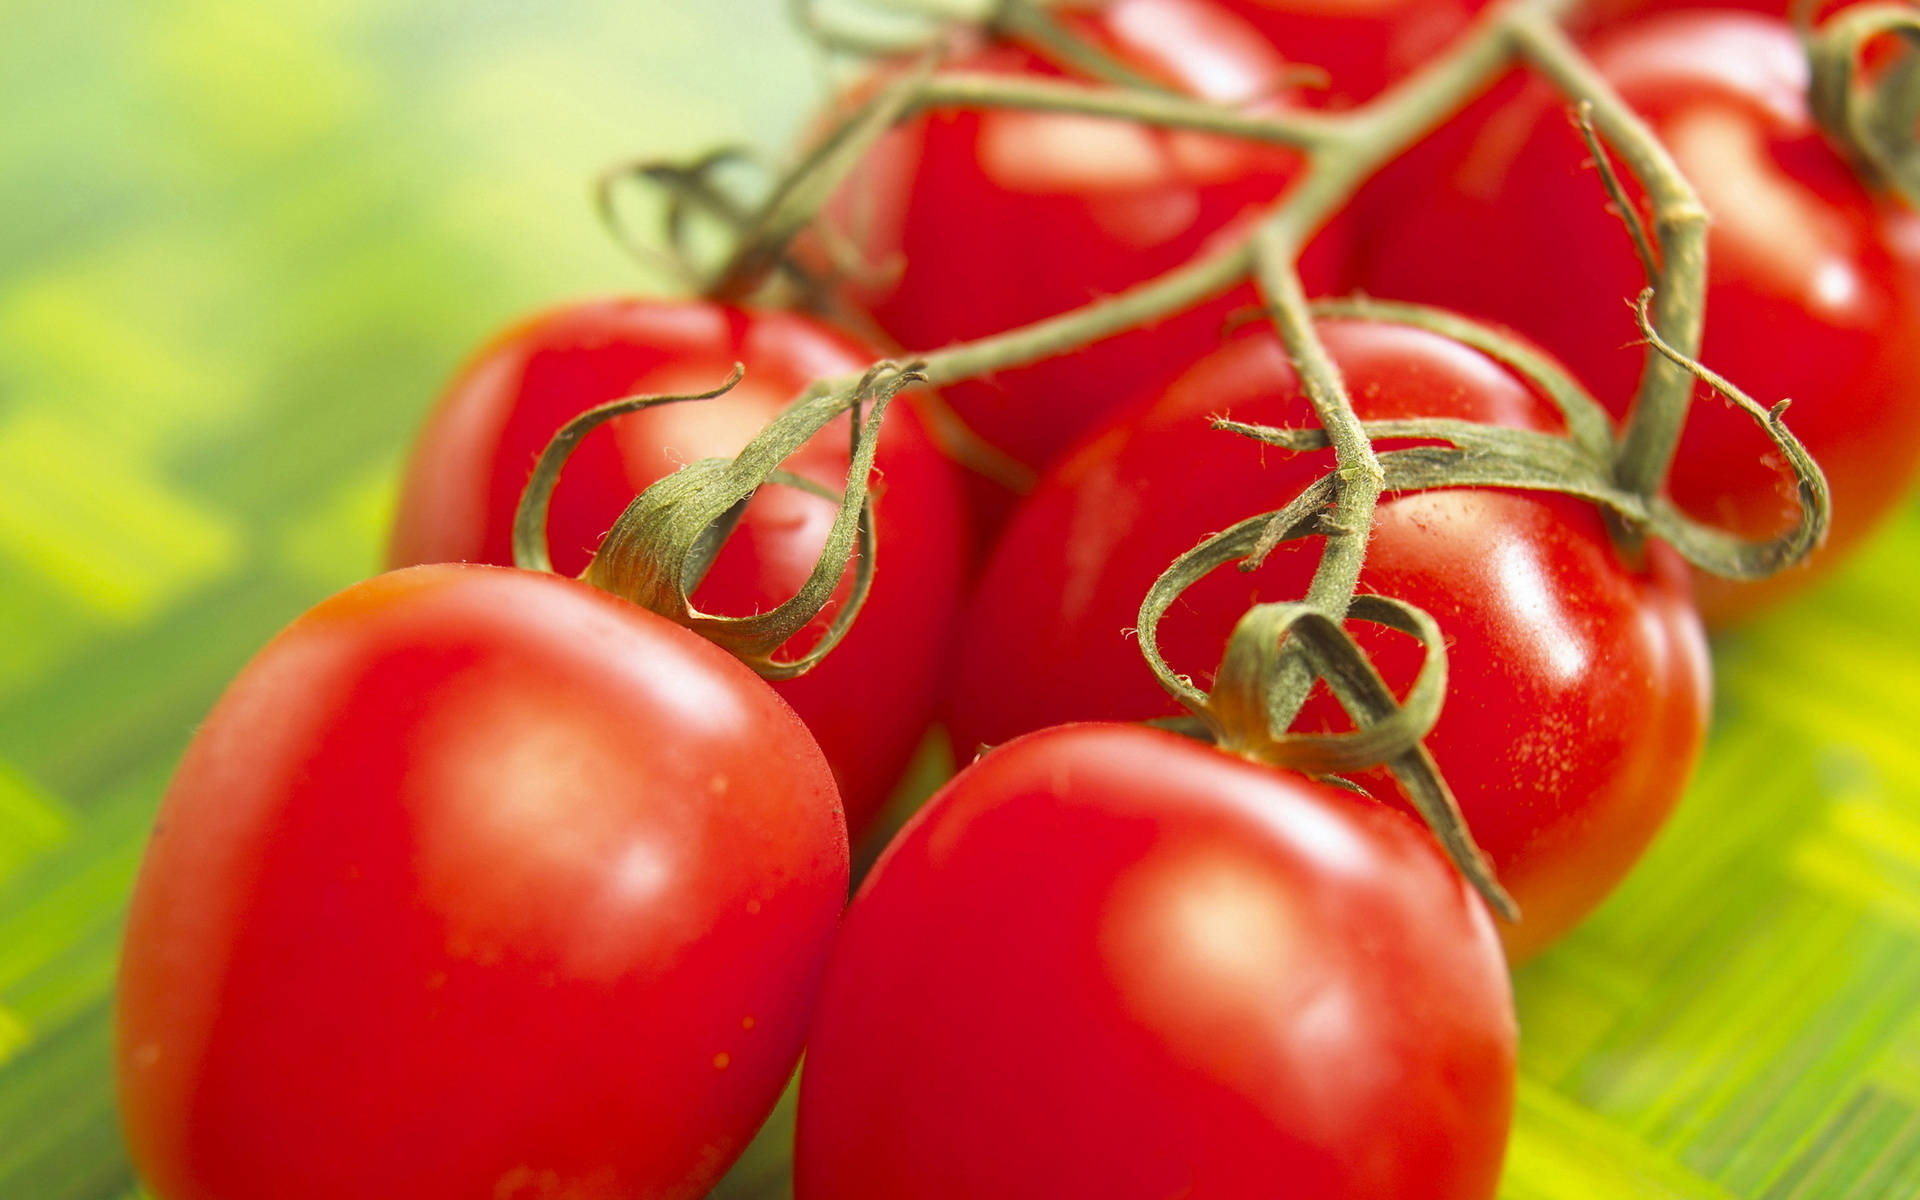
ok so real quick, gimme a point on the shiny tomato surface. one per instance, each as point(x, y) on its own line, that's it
point(1814, 280)
point(476, 883)
point(1577, 684)
point(1107, 961)
point(977, 221)
point(869, 702)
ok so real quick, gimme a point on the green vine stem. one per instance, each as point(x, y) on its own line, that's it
point(1349, 525)
point(1660, 406)
point(1344, 149)
point(766, 233)
point(1367, 138)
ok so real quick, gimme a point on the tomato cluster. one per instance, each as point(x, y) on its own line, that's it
point(485, 881)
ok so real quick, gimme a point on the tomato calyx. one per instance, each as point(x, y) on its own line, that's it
point(663, 544)
point(1251, 700)
point(1870, 116)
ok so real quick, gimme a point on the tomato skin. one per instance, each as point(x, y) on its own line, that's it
point(1362, 45)
point(463, 889)
point(1813, 285)
point(869, 702)
point(980, 221)
point(1108, 961)
point(1577, 690)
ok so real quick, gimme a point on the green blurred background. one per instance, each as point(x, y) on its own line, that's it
point(241, 245)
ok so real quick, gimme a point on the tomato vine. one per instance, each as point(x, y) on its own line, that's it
point(658, 544)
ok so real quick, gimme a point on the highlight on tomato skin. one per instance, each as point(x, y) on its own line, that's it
point(977, 221)
point(1578, 684)
point(1813, 289)
point(870, 700)
point(1109, 961)
point(476, 883)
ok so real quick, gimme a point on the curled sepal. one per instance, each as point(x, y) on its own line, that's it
point(1715, 550)
point(661, 546)
point(530, 549)
point(1241, 703)
point(1873, 119)
point(1233, 544)
point(1241, 713)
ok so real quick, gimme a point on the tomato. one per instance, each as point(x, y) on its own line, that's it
point(1814, 281)
point(976, 222)
point(476, 883)
point(1362, 45)
point(1577, 687)
point(1107, 961)
point(868, 702)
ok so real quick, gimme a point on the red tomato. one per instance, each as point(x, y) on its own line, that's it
point(1362, 45)
point(1814, 286)
point(1107, 961)
point(476, 883)
point(1577, 689)
point(977, 222)
point(869, 702)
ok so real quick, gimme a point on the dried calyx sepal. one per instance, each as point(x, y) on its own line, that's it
point(666, 540)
